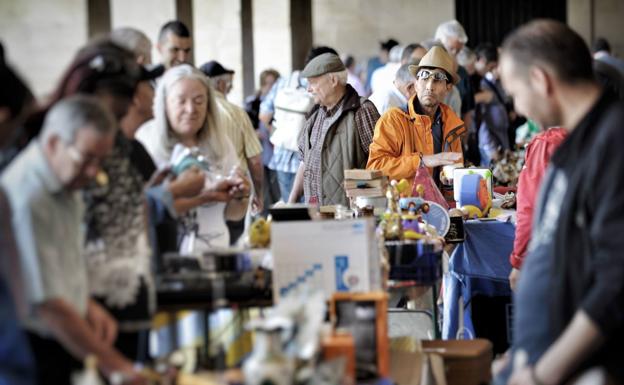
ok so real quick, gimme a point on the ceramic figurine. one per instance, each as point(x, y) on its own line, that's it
point(268, 364)
point(390, 225)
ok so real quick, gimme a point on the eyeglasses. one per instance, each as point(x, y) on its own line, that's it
point(110, 64)
point(426, 74)
point(80, 159)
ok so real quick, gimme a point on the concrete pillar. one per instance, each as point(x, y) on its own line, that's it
point(608, 24)
point(607, 18)
point(218, 37)
point(356, 27)
point(300, 30)
point(42, 37)
point(579, 18)
point(133, 14)
point(247, 47)
point(272, 37)
point(98, 17)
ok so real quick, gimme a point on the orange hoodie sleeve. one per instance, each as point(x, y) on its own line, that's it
point(386, 150)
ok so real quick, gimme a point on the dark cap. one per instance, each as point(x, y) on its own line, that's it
point(323, 64)
point(214, 68)
point(387, 45)
point(150, 73)
point(114, 65)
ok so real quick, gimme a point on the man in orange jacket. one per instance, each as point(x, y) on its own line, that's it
point(425, 130)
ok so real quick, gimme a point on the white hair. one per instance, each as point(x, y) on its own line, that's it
point(466, 56)
point(394, 56)
point(341, 76)
point(451, 28)
point(133, 40)
point(75, 113)
point(214, 80)
point(211, 139)
point(403, 75)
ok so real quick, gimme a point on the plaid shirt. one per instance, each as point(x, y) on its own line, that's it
point(365, 118)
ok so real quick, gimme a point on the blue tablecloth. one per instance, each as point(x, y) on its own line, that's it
point(480, 265)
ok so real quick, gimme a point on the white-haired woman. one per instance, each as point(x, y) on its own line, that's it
point(185, 113)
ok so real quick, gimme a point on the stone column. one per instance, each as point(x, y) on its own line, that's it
point(272, 37)
point(41, 38)
point(133, 14)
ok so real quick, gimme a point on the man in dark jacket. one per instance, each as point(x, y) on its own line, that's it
point(569, 313)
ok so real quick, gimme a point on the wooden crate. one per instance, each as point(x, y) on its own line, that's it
point(466, 362)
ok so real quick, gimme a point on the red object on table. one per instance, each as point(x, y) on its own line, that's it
point(505, 189)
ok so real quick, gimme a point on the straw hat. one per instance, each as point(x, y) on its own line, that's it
point(437, 57)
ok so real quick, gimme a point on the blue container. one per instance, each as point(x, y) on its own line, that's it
point(414, 261)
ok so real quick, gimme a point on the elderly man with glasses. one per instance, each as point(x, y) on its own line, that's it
point(425, 131)
point(42, 186)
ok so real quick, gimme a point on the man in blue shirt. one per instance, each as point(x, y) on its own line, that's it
point(42, 186)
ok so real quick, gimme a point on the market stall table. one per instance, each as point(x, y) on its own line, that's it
point(480, 265)
point(205, 293)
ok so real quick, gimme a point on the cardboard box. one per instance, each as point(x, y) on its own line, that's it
point(467, 362)
point(333, 256)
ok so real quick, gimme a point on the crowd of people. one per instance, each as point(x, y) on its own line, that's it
point(90, 194)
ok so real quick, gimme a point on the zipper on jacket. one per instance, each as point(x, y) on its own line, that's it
point(452, 136)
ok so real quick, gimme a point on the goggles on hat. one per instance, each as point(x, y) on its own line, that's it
point(112, 65)
point(426, 74)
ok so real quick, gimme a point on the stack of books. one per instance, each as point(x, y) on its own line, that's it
point(365, 183)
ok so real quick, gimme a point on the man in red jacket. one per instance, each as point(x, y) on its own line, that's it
point(537, 157)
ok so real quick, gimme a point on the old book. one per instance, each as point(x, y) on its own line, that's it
point(366, 192)
point(359, 183)
point(362, 174)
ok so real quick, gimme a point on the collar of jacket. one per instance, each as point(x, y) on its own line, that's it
point(449, 118)
point(452, 126)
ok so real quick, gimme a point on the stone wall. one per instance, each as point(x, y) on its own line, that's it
point(357, 26)
point(42, 36)
point(608, 16)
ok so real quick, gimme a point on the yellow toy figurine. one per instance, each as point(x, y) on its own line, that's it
point(404, 188)
point(390, 225)
point(260, 233)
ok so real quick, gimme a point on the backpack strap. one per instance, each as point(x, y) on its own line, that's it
point(293, 80)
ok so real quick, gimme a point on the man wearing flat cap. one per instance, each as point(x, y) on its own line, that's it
point(336, 136)
point(425, 130)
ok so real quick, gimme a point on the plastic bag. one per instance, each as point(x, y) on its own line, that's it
point(430, 191)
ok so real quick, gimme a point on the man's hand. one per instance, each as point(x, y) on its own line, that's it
point(523, 376)
point(158, 176)
point(500, 363)
point(241, 186)
point(514, 276)
point(441, 159)
point(224, 190)
point(104, 326)
point(218, 191)
point(188, 184)
point(257, 204)
point(484, 96)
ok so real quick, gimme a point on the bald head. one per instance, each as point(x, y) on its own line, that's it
point(553, 45)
